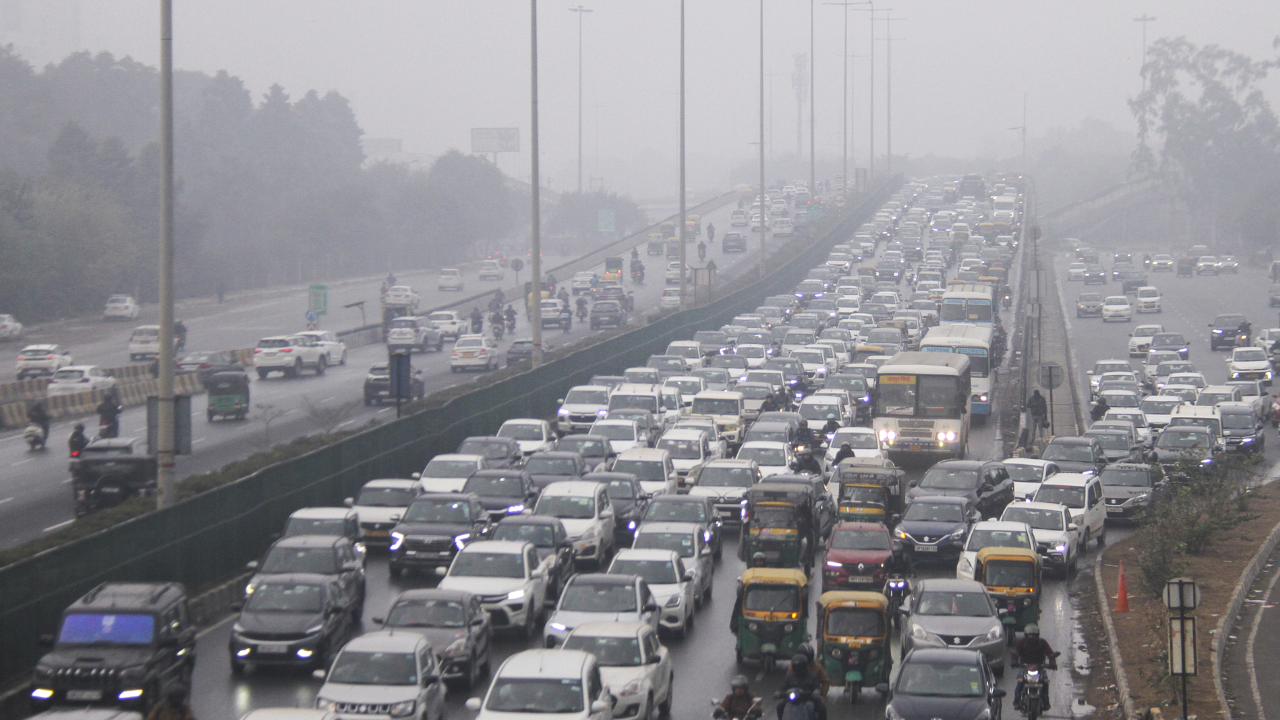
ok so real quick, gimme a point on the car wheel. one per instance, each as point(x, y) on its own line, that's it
point(1084, 543)
point(999, 671)
point(321, 365)
point(706, 594)
point(683, 631)
point(296, 370)
point(368, 401)
point(343, 360)
point(1102, 537)
point(262, 374)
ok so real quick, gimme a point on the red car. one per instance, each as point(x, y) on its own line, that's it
point(860, 556)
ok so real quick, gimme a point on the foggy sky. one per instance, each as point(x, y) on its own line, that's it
point(427, 71)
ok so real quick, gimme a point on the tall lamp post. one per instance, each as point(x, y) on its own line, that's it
point(813, 60)
point(684, 271)
point(844, 117)
point(166, 441)
point(534, 298)
point(580, 10)
point(762, 209)
point(1144, 20)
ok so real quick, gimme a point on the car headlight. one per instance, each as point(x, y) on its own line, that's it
point(324, 704)
point(965, 567)
point(631, 688)
point(919, 634)
point(564, 412)
point(891, 714)
point(836, 565)
point(900, 534)
point(957, 534)
point(515, 595)
point(1060, 548)
point(397, 539)
point(402, 709)
point(515, 509)
point(673, 601)
point(557, 627)
point(460, 541)
point(995, 633)
point(457, 647)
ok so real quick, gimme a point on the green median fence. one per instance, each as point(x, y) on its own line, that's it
point(208, 538)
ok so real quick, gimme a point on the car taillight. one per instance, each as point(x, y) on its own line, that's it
point(205, 366)
point(75, 453)
point(286, 349)
point(257, 350)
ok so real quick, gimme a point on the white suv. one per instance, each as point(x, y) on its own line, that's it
point(289, 355)
point(450, 279)
point(121, 307)
point(1057, 535)
point(1082, 494)
point(581, 407)
point(384, 675)
point(584, 508)
point(638, 670)
point(507, 577)
point(1249, 363)
point(1117, 307)
point(42, 360)
point(79, 378)
point(529, 682)
point(335, 350)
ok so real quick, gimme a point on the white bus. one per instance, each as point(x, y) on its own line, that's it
point(968, 303)
point(922, 405)
point(974, 342)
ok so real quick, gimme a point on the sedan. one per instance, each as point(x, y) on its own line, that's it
point(1057, 537)
point(859, 556)
point(10, 328)
point(1117, 307)
point(933, 528)
point(294, 620)
point(947, 613)
point(943, 683)
point(474, 352)
point(205, 364)
point(1089, 305)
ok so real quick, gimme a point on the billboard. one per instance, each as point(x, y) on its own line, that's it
point(495, 140)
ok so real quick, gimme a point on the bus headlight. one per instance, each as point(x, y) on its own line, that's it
point(887, 435)
point(947, 436)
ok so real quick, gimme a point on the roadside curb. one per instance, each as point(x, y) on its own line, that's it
point(1117, 665)
point(1228, 619)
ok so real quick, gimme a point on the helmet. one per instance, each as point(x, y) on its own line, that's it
point(800, 665)
point(807, 650)
point(804, 423)
point(739, 681)
point(758, 559)
point(1032, 630)
point(846, 446)
point(80, 427)
point(831, 416)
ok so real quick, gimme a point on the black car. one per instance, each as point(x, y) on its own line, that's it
point(434, 527)
point(291, 620)
point(1223, 329)
point(1241, 429)
point(124, 644)
point(1119, 269)
point(1076, 454)
point(1132, 280)
point(629, 500)
point(985, 484)
point(333, 556)
point(1095, 275)
point(549, 538)
point(858, 390)
point(933, 528)
point(1117, 444)
point(1128, 488)
point(205, 363)
point(733, 243)
point(522, 349)
point(596, 450)
point(1172, 342)
point(550, 466)
point(943, 683)
point(498, 452)
point(109, 471)
point(377, 384)
point(503, 492)
point(455, 624)
point(698, 509)
point(607, 313)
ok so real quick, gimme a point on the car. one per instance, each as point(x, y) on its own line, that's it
point(532, 435)
point(1149, 299)
point(1057, 535)
point(1249, 363)
point(79, 378)
point(450, 279)
point(549, 539)
point(433, 529)
point(1117, 307)
point(1117, 445)
point(448, 619)
point(205, 364)
point(332, 556)
point(1095, 275)
point(110, 470)
point(1178, 444)
point(986, 484)
point(377, 384)
point(861, 440)
point(596, 450)
point(291, 620)
point(448, 472)
point(287, 354)
point(1133, 416)
point(336, 521)
point(410, 334)
point(1170, 341)
point(379, 504)
point(673, 585)
point(1076, 271)
point(450, 323)
point(732, 242)
point(633, 664)
point(629, 501)
point(623, 433)
point(1223, 329)
point(144, 342)
point(1140, 339)
point(1252, 392)
point(502, 492)
point(1076, 454)
point(1228, 264)
point(507, 576)
point(401, 296)
point(551, 466)
point(1128, 489)
point(521, 349)
point(119, 621)
point(698, 509)
point(940, 610)
point(382, 675)
point(607, 313)
point(1089, 305)
point(859, 556)
point(587, 513)
point(1162, 262)
point(653, 466)
point(933, 528)
point(1207, 265)
point(120, 307)
point(992, 533)
point(474, 352)
point(1241, 428)
point(771, 456)
point(724, 482)
point(491, 270)
point(581, 407)
point(553, 311)
point(688, 540)
point(335, 349)
point(1082, 495)
point(582, 282)
point(531, 681)
point(601, 597)
point(42, 361)
point(1027, 474)
point(10, 328)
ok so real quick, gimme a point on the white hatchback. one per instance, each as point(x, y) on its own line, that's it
point(1148, 299)
point(120, 307)
point(450, 279)
point(79, 378)
point(1140, 339)
point(530, 682)
point(1117, 307)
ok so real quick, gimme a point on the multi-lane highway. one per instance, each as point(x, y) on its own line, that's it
point(35, 496)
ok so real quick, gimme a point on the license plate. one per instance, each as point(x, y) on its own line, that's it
point(378, 533)
point(1115, 509)
point(861, 578)
point(915, 447)
point(84, 695)
point(926, 548)
point(273, 649)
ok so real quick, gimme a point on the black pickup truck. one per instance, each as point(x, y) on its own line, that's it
point(109, 471)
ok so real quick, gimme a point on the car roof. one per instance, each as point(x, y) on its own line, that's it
point(948, 655)
point(497, 547)
point(299, 578)
point(133, 595)
point(603, 579)
point(433, 593)
point(530, 520)
point(864, 526)
point(1070, 479)
point(610, 629)
point(942, 499)
point(457, 456)
point(644, 453)
point(1000, 525)
point(572, 488)
point(645, 554)
point(1070, 440)
point(605, 388)
point(950, 584)
point(309, 541)
point(565, 664)
point(681, 432)
point(670, 498)
point(397, 483)
point(668, 527)
point(1037, 505)
point(386, 641)
point(323, 513)
point(1036, 462)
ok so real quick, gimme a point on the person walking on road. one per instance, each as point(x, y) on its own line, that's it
point(1038, 409)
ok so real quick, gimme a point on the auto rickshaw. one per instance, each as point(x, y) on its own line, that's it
point(668, 228)
point(673, 248)
point(1012, 576)
point(869, 489)
point(1186, 267)
point(655, 243)
point(779, 524)
point(612, 269)
point(865, 351)
point(853, 639)
point(228, 395)
point(770, 615)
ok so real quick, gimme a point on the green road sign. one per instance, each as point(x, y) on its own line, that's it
point(606, 221)
point(318, 299)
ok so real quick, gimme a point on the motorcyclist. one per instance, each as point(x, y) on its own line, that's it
point(801, 387)
point(1245, 329)
point(759, 560)
point(495, 319)
point(635, 257)
point(711, 231)
point(739, 704)
point(800, 678)
point(1146, 262)
point(109, 413)
point(582, 307)
point(804, 435)
point(832, 425)
point(702, 250)
point(815, 669)
point(845, 452)
point(510, 314)
point(566, 317)
point(477, 320)
point(77, 441)
point(563, 294)
point(1033, 650)
point(38, 415)
point(1099, 410)
point(174, 706)
point(770, 403)
point(807, 463)
point(180, 332)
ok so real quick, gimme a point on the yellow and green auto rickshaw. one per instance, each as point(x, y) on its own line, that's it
point(865, 351)
point(1012, 576)
point(693, 226)
point(668, 228)
point(869, 489)
point(228, 395)
point(770, 615)
point(779, 523)
point(853, 639)
point(655, 244)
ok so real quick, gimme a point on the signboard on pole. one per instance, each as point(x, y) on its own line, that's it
point(1052, 375)
point(318, 299)
point(839, 200)
point(1182, 646)
point(495, 140)
point(606, 221)
point(181, 423)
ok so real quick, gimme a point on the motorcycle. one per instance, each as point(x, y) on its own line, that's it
point(582, 313)
point(109, 427)
point(497, 331)
point(1242, 339)
point(1274, 414)
point(511, 324)
point(637, 276)
point(35, 436)
point(895, 588)
point(797, 705)
point(566, 321)
point(477, 326)
point(753, 714)
point(1034, 684)
point(702, 251)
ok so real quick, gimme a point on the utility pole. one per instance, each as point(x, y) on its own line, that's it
point(534, 299)
point(844, 117)
point(580, 10)
point(684, 273)
point(762, 208)
point(799, 84)
point(1144, 20)
point(1023, 129)
point(813, 60)
point(888, 92)
point(166, 442)
point(871, 92)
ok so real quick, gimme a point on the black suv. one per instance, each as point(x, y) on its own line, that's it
point(333, 556)
point(607, 313)
point(733, 242)
point(434, 528)
point(629, 502)
point(121, 644)
point(1223, 329)
point(291, 620)
point(985, 484)
point(109, 471)
point(377, 384)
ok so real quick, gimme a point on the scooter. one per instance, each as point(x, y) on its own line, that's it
point(753, 714)
point(109, 428)
point(35, 436)
point(798, 705)
point(1034, 682)
point(511, 324)
point(582, 313)
point(497, 331)
point(895, 588)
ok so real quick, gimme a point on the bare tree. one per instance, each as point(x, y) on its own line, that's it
point(267, 414)
point(328, 418)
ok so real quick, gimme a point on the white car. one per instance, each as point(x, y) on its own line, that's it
point(450, 279)
point(1140, 339)
point(1057, 535)
point(383, 675)
point(633, 663)
point(508, 578)
point(671, 583)
point(491, 270)
point(582, 282)
point(584, 508)
point(450, 323)
point(531, 435)
point(10, 328)
point(529, 682)
point(475, 352)
point(599, 597)
point(774, 458)
point(1076, 271)
point(1117, 307)
point(782, 227)
point(862, 441)
point(334, 349)
point(738, 218)
point(379, 506)
point(1157, 409)
point(42, 360)
point(1134, 416)
point(653, 466)
point(1148, 299)
point(144, 342)
point(992, 533)
point(689, 447)
point(449, 472)
point(623, 434)
point(1082, 495)
point(401, 296)
point(725, 482)
point(120, 307)
point(672, 274)
point(289, 355)
point(79, 378)
point(582, 407)
point(691, 541)
point(1249, 363)
point(670, 297)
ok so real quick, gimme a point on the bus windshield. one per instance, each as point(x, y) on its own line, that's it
point(934, 396)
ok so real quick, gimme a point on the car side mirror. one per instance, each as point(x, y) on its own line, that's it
point(473, 704)
point(441, 571)
point(1072, 527)
point(882, 688)
point(416, 476)
point(687, 577)
point(998, 693)
point(237, 606)
point(897, 519)
point(378, 620)
point(251, 565)
point(478, 622)
point(599, 706)
point(348, 502)
point(428, 679)
point(653, 659)
point(650, 607)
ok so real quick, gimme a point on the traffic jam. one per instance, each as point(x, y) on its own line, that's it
point(813, 458)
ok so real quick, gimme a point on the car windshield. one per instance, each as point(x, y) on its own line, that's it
point(1112, 441)
point(694, 512)
point(279, 597)
point(715, 406)
point(925, 511)
point(542, 465)
point(1037, 518)
point(385, 497)
point(609, 651)
point(602, 597)
point(587, 397)
point(615, 431)
point(586, 447)
point(981, 538)
point(647, 470)
point(1025, 473)
point(374, 668)
point(963, 604)
point(427, 613)
point(948, 478)
point(1068, 453)
point(679, 543)
point(1122, 477)
point(322, 560)
point(530, 695)
point(68, 375)
point(767, 457)
point(771, 598)
point(855, 622)
point(521, 431)
point(857, 440)
point(1069, 495)
point(725, 477)
point(509, 486)
point(751, 392)
point(1227, 321)
point(483, 564)
point(681, 449)
point(432, 510)
point(449, 468)
point(567, 507)
point(107, 629)
point(1171, 440)
point(315, 526)
point(860, 540)
point(654, 572)
point(1238, 421)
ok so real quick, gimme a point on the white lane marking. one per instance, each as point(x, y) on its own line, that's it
point(63, 524)
point(21, 462)
point(330, 398)
point(197, 440)
point(8, 499)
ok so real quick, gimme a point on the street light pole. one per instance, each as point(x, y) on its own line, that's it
point(580, 10)
point(813, 60)
point(844, 122)
point(166, 445)
point(1144, 20)
point(684, 278)
point(762, 209)
point(534, 298)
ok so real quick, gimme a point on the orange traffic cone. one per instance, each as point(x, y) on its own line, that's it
point(1122, 594)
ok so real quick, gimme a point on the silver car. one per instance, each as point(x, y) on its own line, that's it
point(600, 598)
point(943, 613)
